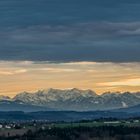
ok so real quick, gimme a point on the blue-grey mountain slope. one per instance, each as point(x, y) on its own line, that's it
point(6, 105)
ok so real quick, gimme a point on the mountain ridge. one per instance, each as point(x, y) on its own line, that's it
point(76, 99)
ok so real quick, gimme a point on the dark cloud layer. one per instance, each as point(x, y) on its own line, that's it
point(70, 30)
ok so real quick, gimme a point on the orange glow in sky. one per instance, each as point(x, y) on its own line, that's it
point(22, 76)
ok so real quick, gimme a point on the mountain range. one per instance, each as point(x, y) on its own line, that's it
point(68, 100)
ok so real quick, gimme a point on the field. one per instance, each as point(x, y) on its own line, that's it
point(36, 126)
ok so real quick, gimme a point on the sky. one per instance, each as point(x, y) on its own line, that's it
point(86, 44)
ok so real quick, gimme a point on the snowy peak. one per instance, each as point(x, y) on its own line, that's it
point(110, 94)
point(24, 96)
point(2, 97)
point(71, 94)
point(77, 100)
point(52, 95)
point(137, 94)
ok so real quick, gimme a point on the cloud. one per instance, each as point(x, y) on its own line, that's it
point(5, 73)
point(48, 34)
point(70, 31)
point(55, 70)
point(101, 42)
point(128, 82)
point(21, 76)
point(12, 72)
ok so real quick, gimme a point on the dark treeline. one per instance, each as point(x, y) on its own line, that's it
point(82, 133)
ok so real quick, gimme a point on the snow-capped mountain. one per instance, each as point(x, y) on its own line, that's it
point(2, 97)
point(78, 100)
point(137, 94)
point(55, 98)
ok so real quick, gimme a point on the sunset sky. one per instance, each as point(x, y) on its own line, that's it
point(86, 44)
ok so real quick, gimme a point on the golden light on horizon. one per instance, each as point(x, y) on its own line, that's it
point(19, 76)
